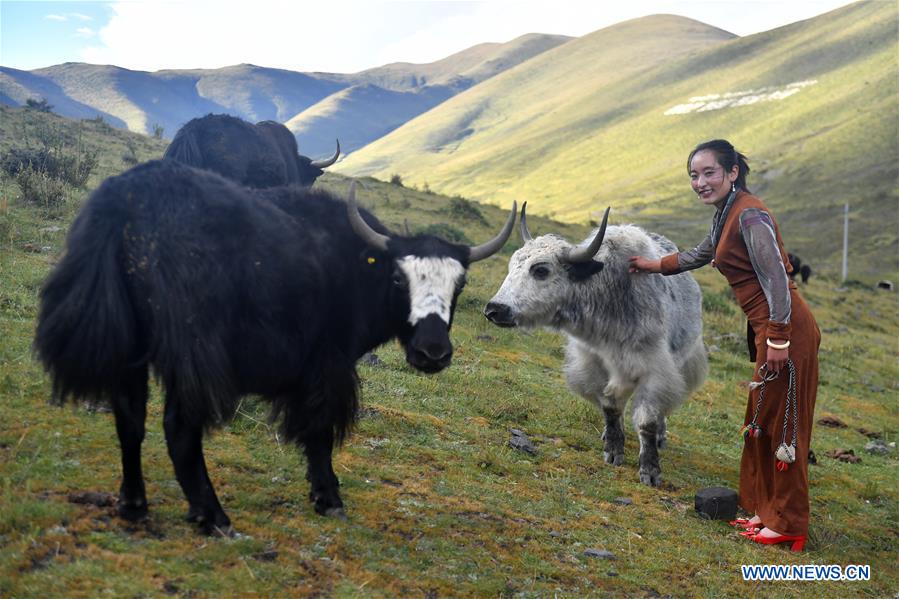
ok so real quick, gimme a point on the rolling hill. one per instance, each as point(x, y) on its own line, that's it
point(377, 100)
point(609, 118)
point(382, 99)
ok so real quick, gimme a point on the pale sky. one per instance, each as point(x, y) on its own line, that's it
point(342, 36)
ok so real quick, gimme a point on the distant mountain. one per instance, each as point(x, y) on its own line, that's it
point(391, 95)
point(141, 100)
point(609, 118)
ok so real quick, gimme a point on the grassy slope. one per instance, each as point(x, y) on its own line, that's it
point(394, 94)
point(583, 126)
point(439, 504)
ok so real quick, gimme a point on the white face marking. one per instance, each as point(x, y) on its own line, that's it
point(432, 282)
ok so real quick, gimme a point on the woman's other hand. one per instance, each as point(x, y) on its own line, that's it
point(641, 264)
point(777, 358)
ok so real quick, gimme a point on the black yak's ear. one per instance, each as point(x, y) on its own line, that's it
point(581, 271)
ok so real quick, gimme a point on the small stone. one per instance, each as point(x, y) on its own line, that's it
point(878, 447)
point(623, 501)
point(517, 432)
point(611, 573)
point(522, 443)
point(486, 338)
point(371, 359)
point(832, 422)
point(599, 553)
point(555, 534)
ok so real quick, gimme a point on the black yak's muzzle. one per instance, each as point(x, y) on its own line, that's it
point(429, 349)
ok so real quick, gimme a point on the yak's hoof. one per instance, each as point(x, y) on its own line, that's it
point(132, 512)
point(335, 512)
point(616, 459)
point(648, 478)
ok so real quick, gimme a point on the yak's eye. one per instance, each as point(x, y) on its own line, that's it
point(540, 271)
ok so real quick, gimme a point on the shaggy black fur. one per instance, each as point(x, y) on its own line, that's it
point(260, 155)
point(222, 291)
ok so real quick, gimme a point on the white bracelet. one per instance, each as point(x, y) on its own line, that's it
point(776, 346)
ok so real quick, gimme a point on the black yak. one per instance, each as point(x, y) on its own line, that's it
point(224, 291)
point(260, 155)
point(803, 270)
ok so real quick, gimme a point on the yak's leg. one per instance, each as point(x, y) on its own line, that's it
point(656, 396)
point(661, 432)
point(588, 377)
point(130, 408)
point(323, 482)
point(613, 434)
point(185, 444)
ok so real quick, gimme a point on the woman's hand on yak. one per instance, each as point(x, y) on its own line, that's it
point(641, 264)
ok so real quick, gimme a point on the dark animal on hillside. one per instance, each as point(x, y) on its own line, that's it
point(626, 335)
point(224, 291)
point(803, 270)
point(260, 155)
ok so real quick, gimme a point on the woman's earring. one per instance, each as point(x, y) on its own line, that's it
point(733, 187)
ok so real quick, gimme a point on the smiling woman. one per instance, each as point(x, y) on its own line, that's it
point(744, 244)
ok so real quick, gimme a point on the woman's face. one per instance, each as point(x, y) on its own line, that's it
point(708, 178)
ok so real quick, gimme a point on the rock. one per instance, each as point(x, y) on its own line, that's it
point(92, 498)
point(521, 442)
point(878, 447)
point(844, 455)
point(869, 434)
point(832, 422)
point(555, 534)
point(599, 553)
point(371, 359)
point(485, 338)
point(623, 501)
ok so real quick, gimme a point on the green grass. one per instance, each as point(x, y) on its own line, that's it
point(582, 126)
point(438, 503)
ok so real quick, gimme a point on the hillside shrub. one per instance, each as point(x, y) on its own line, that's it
point(72, 166)
point(397, 180)
point(461, 208)
point(40, 105)
point(41, 189)
point(158, 130)
point(448, 232)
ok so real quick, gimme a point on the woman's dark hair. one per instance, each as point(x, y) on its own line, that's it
point(727, 157)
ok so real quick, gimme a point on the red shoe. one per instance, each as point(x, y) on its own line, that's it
point(797, 540)
point(745, 524)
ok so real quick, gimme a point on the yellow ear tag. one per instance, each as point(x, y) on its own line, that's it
point(371, 260)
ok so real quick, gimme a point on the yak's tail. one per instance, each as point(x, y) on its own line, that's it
point(185, 149)
point(87, 332)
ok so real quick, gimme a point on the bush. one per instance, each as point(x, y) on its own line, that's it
point(447, 232)
point(396, 180)
point(72, 167)
point(41, 189)
point(40, 105)
point(461, 208)
point(158, 130)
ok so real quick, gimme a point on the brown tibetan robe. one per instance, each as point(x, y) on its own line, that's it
point(779, 498)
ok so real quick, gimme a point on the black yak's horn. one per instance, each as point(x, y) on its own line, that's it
point(328, 161)
point(485, 250)
point(368, 235)
point(586, 254)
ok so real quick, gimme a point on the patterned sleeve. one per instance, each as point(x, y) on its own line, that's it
point(690, 259)
point(761, 243)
